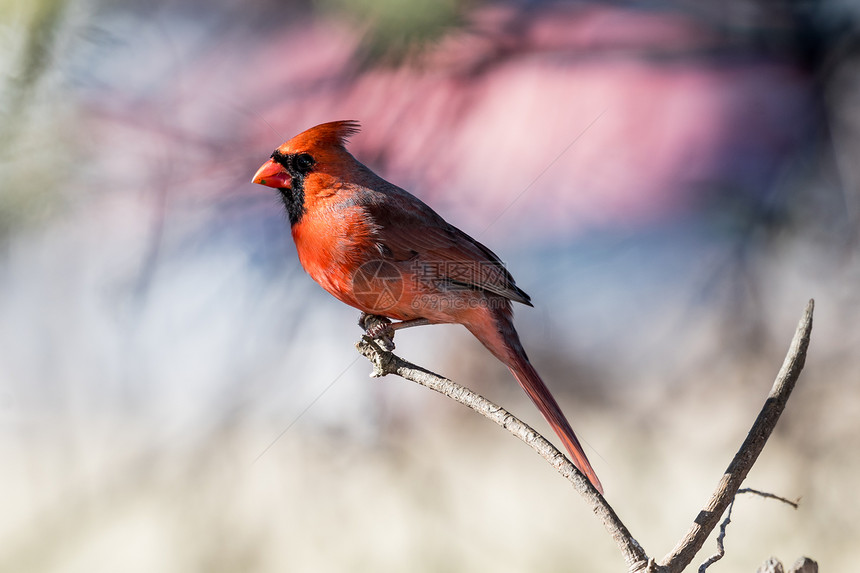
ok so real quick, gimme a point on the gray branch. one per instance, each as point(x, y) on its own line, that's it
point(385, 362)
point(747, 455)
point(721, 549)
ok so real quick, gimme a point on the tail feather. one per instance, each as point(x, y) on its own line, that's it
point(496, 331)
point(531, 382)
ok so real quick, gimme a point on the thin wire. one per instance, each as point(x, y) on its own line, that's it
point(250, 112)
point(308, 407)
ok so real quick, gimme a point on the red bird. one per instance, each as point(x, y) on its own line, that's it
point(383, 251)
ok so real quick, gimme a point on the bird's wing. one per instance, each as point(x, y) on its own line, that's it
point(408, 229)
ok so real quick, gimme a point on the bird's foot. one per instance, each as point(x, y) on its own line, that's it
point(379, 329)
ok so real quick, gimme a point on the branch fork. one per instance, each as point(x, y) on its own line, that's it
point(378, 350)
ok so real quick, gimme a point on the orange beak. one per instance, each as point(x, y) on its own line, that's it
point(272, 174)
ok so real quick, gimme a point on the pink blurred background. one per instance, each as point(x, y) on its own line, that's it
point(670, 185)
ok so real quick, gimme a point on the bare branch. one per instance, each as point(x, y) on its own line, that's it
point(772, 565)
point(721, 550)
point(385, 362)
point(804, 565)
point(740, 466)
point(795, 504)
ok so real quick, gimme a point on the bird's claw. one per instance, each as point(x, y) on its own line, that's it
point(378, 328)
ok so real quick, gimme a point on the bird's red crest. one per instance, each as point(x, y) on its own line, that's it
point(333, 133)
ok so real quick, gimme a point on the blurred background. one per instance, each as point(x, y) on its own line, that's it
point(670, 182)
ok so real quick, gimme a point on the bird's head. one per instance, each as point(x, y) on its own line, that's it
point(308, 164)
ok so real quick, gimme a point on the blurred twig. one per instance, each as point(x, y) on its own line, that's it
point(385, 362)
point(721, 549)
point(36, 58)
point(795, 504)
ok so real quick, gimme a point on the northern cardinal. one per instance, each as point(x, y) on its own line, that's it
point(383, 251)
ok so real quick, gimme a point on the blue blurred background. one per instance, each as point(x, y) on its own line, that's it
point(670, 184)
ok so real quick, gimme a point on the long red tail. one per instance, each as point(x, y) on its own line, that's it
point(500, 337)
point(531, 382)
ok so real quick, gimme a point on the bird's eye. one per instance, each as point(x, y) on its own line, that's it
point(304, 162)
